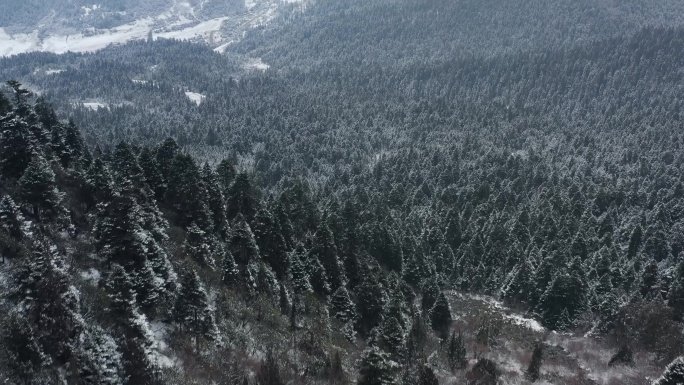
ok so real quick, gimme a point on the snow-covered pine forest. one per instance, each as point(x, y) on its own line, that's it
point(387, 192)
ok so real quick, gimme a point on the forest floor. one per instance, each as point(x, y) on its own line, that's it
point(507, 337)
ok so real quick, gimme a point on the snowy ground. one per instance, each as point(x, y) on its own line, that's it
point(95, 105)
point(256, 64)
point(195, 97)
point(172, 24)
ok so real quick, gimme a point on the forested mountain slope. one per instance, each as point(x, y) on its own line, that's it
point(394, 151)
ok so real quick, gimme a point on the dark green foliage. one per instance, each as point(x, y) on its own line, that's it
point(192, 311)
point(242, 243)
point(456, 352)
point(624, 356)
point(484, 372)
point(376, 368)
point(564, 299)
point(187, 193)
point(427, 376)
point(269, 371)
point(299, 273)
point(271, 242)
point(430, 294)
point(675, 297)
point(225, 173)
point(440, 316)
point(392, 338)
point(22, 354)
point(371, 299)
point(37, 189)
point(10, 218)
point(535, 363)
point(98, 360)
point(325, 252)
point(230, 272)
point(341, 306)
point(215, 201)
point(242, 199)
point(197, 246)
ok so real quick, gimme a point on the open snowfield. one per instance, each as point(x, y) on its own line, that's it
point(172, 24)
point(195, 97)
point(22, 43)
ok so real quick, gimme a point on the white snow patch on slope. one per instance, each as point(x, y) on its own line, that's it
point(163, 354)
point(53, 71)
point(22, 43)
point(249, 4)
point(222, 47)
point(92, 275)
point(94, 105)
point(516, 319)
point(256, 64)
point(195, 97)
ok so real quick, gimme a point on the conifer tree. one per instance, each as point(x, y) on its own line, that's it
point(44, 292)
point(410, 270)
point(226, 173)
point(430, 295)
point(341, 305)
point(165, 154)
point(197, 247)
point(271, 243)
point(99, 181)
point(440, 316)
point(22, 354)
point(371, 300)
point(231, 273)
point(325, 251)
point(427, 376)
point(98, 358)
point(392, 338)
point(193, 312)
point(10, 218)
point(187, 194)
point(318, 277)
point(298, 272)
point(269, 371)
point(242, 199)
point(267, 283)
point(215, 202)
point(242, 243)
point(456, 352)
point(152, 173)
point(675, 296)
point(16, 149)
point(376, 368)
point(38, 190)
point(535, 363)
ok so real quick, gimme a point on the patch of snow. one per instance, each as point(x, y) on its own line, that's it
point(256, 64)
point(163, 354)
point(87, 10)
point(525, 322)
point(249, 4)
point(52, 71)
point(195, 97)
point(94, 106)
point(516, 319)
point(138, 81)
point(22, 43)
point(222, 47)
point(91, 275)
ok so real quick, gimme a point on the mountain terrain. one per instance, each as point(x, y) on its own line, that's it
point(325, 192)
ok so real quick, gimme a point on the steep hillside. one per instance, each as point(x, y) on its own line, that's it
point(77, 26)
